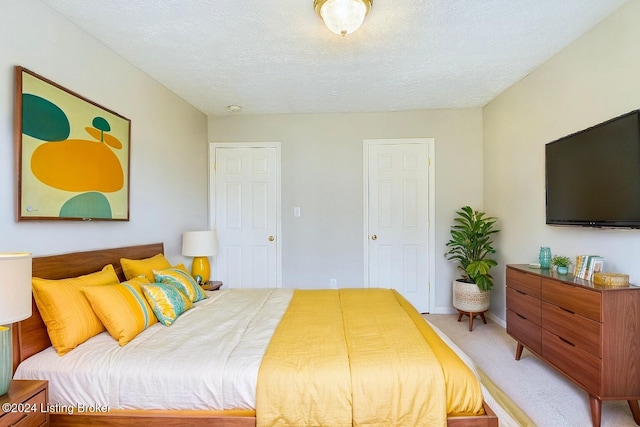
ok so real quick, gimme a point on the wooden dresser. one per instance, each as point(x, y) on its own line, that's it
point(589, 333)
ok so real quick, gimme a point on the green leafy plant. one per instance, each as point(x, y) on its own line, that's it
point(560, 261)
point(471, 246)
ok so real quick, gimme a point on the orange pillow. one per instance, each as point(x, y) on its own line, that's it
point(122, 308)
point(69, 318)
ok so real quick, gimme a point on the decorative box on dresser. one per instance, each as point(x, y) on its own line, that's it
point(589, 333)
point(25, 404)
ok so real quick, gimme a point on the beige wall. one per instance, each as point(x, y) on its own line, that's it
point(594, 79)
point(322, 174)
point(168, 137)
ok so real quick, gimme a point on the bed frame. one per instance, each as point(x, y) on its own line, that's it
point(30, 337)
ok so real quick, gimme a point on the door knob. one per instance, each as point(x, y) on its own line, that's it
point(272, 238)
point(374, 237)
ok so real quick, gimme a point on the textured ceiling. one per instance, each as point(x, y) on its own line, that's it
point(276, 56)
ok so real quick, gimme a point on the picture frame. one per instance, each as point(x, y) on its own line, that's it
point(72, 154)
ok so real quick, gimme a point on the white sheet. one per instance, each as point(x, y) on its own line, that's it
point(214, 353)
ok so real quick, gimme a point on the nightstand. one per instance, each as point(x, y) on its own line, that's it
point(211, 285)
point(25, 404)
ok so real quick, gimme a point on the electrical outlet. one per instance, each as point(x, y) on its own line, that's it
point(333, 284)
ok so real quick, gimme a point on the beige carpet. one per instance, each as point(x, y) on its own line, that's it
point(547, 397)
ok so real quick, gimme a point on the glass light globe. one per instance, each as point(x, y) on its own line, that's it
point(343, 16)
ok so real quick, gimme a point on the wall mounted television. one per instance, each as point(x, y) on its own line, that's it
point(593, 176)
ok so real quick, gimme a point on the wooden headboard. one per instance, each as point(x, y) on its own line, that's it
point(30, 336)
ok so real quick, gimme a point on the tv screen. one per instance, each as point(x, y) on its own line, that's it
point(593, 176)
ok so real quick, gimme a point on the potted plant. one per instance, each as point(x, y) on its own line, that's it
point(471, 246)
point(562, 263)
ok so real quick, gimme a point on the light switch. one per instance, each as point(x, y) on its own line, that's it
point(296, 211)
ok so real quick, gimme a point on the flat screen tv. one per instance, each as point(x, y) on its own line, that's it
point(593, 176)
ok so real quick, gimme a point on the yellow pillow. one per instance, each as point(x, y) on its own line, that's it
point(122, 308)
point(182, 267)
point(69, 318)
point(133, 268)
point(182, 280)
point(167, 301)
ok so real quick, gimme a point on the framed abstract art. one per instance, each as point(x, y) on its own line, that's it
point(72, 154)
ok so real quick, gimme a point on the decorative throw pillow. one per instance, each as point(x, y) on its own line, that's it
point(167, 301)
point(69, 318)
point(182, 267)
point(133, 268)
point(182, 280)
point(122, 308)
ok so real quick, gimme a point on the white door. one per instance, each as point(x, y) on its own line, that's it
point(397, 217)
point(245, 206)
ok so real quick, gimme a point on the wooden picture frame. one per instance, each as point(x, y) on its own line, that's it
point(72, 154)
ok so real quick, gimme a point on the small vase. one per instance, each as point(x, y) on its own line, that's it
point(563, 270)
point(545, 257)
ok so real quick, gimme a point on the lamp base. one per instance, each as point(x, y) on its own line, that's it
point(6, 362)
point(201, 268)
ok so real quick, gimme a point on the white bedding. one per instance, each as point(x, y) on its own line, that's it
point(215, 352)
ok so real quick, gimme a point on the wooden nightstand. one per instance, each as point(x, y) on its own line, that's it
point(211, 285)
point(25, 404)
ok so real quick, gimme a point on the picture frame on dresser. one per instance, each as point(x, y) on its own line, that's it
point(72, 154)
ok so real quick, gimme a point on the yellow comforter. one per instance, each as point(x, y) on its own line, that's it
point(361, 357)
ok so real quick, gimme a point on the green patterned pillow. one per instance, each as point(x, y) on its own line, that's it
point(181, 280)
point(166, 301)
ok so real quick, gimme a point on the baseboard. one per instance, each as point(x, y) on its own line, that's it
point(497, 320)
point(442, 310)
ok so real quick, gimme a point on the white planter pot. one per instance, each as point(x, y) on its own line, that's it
point(467, 297)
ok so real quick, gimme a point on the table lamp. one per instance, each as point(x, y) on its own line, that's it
point(15, 305)
point(201, 245)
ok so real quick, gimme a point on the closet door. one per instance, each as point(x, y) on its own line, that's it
point(397, 217)
point(245, 187)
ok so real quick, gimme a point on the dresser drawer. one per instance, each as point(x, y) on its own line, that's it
point(528, 283)
point(525, 331)
point(32, 415)
point(577, 300)
point(524, 305)
point(578, 330)
point(583, 367)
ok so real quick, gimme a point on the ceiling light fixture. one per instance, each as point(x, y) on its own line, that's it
point(234, 108)
point(342, 16)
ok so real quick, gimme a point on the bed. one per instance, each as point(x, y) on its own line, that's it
point(31, 339)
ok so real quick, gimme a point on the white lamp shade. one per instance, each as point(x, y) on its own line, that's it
point(15, 287)
point(343, 16)
point(200, 243)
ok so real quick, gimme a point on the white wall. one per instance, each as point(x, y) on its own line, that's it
point(322, 173)
point(594, 79)
point(168, 192)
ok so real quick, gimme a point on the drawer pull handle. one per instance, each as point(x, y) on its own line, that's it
point(521, 316)
point(520, 292)
point(568, 342)
point(568, 311)
point(24, 417)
